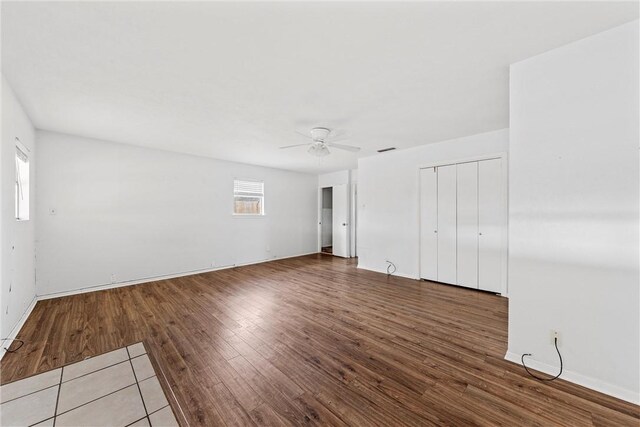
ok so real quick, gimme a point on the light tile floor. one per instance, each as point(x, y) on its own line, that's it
point(119, 388)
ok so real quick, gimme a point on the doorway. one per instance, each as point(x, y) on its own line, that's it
point(326, 232)
point(334, 228)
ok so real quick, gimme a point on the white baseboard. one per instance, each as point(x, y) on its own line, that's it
point(406, 276)
point(138, 281)
point(16, 329)
point(577, 378)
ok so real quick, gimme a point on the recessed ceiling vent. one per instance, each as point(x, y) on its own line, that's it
point(386, 149)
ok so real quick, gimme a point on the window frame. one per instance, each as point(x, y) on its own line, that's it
point(261, 195)
point(21, 152)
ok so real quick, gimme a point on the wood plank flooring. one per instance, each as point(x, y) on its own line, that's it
point(315, 341)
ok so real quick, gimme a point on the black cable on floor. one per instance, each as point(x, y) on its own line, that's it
point(15, 349)
point(391, 265)
point(555, 342)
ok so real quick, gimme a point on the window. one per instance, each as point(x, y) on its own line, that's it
point(22, 185)
point(248, 197)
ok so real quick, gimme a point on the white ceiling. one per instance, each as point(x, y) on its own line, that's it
point(234, 80)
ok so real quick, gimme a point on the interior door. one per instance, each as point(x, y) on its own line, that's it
point(429, 224)
point(340, 220)
point(447, 224)
point(491, 224)
point(467, 233)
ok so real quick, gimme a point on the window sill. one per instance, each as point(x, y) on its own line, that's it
point(248, 215)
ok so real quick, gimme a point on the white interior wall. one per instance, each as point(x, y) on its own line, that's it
point(17, 251)
point(123, 213)
point(388, 198)
point(353, 203)
point(573, 214)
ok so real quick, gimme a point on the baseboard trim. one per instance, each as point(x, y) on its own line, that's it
point(577, 378)
point(105, 286)
point(16, 329)
point(406, 276)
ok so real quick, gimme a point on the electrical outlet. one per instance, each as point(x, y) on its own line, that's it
point(553, 336)
point(213, 264)
point(268, 248)
point(113, 277)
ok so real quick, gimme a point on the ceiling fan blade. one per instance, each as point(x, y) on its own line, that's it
point(338, 134)
point(338, 138)
point(296, 145)
point(306, 135)
point(344, 147)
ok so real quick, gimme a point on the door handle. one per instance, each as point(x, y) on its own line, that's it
point(344, 224)
point(435, 231)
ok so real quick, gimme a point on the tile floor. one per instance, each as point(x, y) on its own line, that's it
point(119, 388)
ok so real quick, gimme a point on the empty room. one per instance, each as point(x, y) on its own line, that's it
point(320, 213)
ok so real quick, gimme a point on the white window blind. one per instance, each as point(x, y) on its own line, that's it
point(248, 197)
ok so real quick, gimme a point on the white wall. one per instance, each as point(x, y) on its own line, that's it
point(333, 178)
point(388, 198)
point(16, 237)
point(573, 221)
point(353, 212)
point(138, 213)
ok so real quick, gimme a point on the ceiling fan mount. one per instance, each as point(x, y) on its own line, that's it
point(320, 134)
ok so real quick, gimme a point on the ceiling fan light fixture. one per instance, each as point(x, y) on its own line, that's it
point(318, 150)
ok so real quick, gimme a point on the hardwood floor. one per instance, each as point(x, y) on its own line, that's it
point(313, 340)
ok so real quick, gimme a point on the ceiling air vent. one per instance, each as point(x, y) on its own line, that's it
point(386, 149)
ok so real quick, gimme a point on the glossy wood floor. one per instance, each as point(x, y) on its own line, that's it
point(313, 340)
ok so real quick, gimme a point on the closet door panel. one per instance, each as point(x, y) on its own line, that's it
point(467, 232)
point(447, 224)
point(491, 224)
point(429, 224)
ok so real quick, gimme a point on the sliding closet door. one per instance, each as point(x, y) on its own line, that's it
point(447, 224)
point(429, 224)
point(491, 224)
point(467, 235)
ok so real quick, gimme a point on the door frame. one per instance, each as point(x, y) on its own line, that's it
point(319, 242)
point(504, 157)
point(350, 220)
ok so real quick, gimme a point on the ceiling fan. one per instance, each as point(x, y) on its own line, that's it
point(321, 140)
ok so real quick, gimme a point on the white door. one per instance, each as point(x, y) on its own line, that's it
point(429, 224)
point(340, 220)
point(467, 233)
point(447, 224)
point(491, 224)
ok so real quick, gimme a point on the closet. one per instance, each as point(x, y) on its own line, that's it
point(462, 224)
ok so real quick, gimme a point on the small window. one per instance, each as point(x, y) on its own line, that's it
point(22, 185)
point(248, 197)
